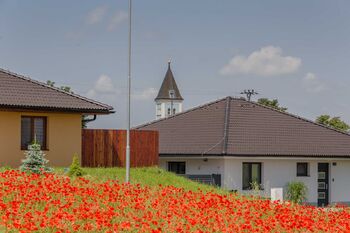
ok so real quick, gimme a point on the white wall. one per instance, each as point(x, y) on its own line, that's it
point(275, 173)
point(198, 166)
point(340, 181)
point(165, 104)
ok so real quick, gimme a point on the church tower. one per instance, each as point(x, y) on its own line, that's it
point(169, 100)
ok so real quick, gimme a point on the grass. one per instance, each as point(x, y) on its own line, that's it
point(150, 176)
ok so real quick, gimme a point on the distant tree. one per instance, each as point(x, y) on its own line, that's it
point(333, 122)
point(271, 103)
point(50, 83)
point(69, 90)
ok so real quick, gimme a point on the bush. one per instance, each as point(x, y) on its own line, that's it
point(35, 160)
point(75, 169)
point(296, 192)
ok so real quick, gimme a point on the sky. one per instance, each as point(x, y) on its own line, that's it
point(296, 51)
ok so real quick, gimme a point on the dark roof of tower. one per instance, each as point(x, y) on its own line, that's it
point(168, 84)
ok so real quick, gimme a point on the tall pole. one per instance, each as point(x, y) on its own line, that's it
point(127, 162)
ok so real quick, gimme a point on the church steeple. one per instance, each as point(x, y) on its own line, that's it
point(169, 87)
point(169, 99)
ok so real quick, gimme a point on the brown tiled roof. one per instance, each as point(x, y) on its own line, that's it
point(19, 92)
point(168, 84)
point(236, 127)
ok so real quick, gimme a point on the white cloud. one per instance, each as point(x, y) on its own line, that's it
point(103, 85)
point(96, 15)
point(146, 94)
point(268, 61)
point(312, 83)
point(118, 18)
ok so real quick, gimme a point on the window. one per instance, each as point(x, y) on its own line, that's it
point(31, 128)
point(251, 173)
point(159, 110)
point(169, 111)
point(302, 169)
point(177, 167)
point(174, 111)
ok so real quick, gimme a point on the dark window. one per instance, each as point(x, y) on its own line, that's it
point(169, 111)
point(251, 173)
point(302, 169)
point(174, 111)
point(33, 128)
point(177, 167)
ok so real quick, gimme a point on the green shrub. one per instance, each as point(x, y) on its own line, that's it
point(75, 169)
point(296, 192)
point(35, 160)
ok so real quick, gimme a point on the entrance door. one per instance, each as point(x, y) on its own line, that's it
point(322, 184)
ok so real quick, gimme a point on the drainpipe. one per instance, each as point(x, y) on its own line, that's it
point(89, 120)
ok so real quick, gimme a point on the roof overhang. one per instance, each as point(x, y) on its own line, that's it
point(168, 155)
point(55, 109)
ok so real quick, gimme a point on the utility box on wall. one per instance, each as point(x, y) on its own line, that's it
point(277, 194)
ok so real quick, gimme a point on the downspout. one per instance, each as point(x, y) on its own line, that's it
point(90, 120)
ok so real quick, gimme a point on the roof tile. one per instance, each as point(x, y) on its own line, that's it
point(17, 91)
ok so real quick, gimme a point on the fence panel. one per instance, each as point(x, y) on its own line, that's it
point(106, 148)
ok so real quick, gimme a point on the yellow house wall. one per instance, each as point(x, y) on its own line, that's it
point(63, 137)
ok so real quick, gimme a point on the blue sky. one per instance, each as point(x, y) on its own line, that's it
point(296, 51)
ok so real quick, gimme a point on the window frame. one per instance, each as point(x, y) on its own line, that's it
point(32, 118)
point(244, 187)
point(307, 169)
point(176, 162)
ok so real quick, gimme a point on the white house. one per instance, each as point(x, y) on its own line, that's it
point(235, 142)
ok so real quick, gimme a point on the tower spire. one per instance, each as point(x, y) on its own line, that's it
point(169, 99)
point(169, 61)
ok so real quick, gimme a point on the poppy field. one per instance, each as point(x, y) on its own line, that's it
point(56, 203)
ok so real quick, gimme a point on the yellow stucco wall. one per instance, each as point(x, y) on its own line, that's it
point(63, 137)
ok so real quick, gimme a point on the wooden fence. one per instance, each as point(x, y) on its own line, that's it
point(106, 148)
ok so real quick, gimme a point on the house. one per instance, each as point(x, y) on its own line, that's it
point(241, 141)
point(30, 109)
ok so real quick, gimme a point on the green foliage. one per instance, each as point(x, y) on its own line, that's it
point(50, 83)
point(296, 192)
point(255, 187)
point(75, 169)
point(35, 160)
point(272, 104)
point(333, 122)
point(68, 90)
point(146, 176)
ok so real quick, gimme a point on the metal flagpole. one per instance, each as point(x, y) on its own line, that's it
point(127, 162)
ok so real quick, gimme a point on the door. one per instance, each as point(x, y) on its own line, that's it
point(322, 184)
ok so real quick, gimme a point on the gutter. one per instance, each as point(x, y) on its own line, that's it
point(90, 120)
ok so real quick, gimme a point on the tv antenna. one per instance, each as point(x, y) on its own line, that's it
point(249, 93)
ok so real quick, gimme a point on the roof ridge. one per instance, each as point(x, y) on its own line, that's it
point(55, 88)
point(182, 113)
point(226, 124)
point(297, 116)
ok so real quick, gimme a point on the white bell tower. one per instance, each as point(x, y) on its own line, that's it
point(169, 100)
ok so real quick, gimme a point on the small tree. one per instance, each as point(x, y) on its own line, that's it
point(296, 192)
point(75, 169)
point(35, 160)
point(272, 104)
point(333, 122)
